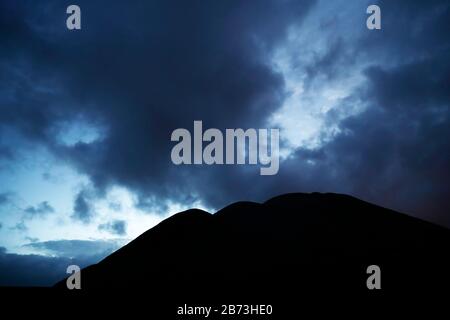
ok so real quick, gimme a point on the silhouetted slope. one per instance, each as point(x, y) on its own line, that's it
point(291, 242)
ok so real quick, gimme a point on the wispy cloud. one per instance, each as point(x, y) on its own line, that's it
point(76, 248)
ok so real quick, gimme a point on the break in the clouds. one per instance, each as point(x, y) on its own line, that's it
point(86, 116)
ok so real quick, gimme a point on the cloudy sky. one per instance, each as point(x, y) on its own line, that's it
point(86, 116)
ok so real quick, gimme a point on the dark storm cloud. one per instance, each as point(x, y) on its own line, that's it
point(41, 210)
point(402, 139)
point(143, 69)
point(397, 152)
point(207, 63)
point(30, 270)
point(82, 210)
point(37, 270)
point(411, 30)
point(117, 227)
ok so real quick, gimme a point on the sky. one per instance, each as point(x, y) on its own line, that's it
point(86, 115)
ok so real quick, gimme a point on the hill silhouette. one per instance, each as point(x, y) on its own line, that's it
point(309, 242)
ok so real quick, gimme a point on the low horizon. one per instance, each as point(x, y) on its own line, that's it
point(11, 278)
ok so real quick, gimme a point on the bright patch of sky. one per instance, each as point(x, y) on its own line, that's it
point(305, 118)
point(34, 176)
point(78, 130)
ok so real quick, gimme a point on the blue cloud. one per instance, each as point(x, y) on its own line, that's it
point(41, 210)
point(20, 226)
point(82, 210)
point(117, 227)
point(37, 270)
point(5, 198)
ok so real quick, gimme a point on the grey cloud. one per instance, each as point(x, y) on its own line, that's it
point(41, 210)
point(117, 227)
point(5, 198)
point(82, 210)
point(20, 226)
